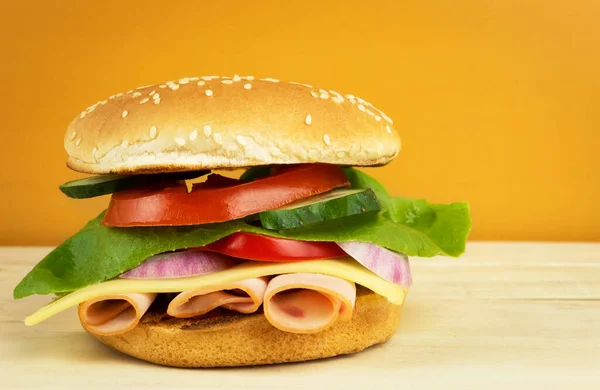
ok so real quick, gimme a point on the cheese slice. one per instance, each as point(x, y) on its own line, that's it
point(345, 268)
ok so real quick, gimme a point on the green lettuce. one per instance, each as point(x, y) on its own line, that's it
point(98, 253)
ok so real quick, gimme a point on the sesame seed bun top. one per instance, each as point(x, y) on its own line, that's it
point(216, 122)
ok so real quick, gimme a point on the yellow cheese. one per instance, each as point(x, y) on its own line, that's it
point(345, 268)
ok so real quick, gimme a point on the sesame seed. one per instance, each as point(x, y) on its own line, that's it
point(180, 141)
point(82, 115)
point(337, 99)
point(153, 132)
point(351, 97)
point(326, 139)
point(162, 86)
point(270, 79)
point(174, 87)
point(128, 92)
point(156, 96)
point(111, 97)
point(236, 78)
point(313, 154)
point(362, 107)
point(371, 113)
point(136, 94)
point(77, 141)
point(224, 77)
point(208, 92)
point(124, 113)
point(249, 78)
point(388, 129)
point(103, 102)
point(156, 101)
point(314, 94)
point(308, 119)
point(207, 130)
point(307, 85)
point(125, 143)
point(194, 78)
point(73, 135)
point(206, 78)
point(324, 95)
point(294, 83)
point(247, 86)
point(152, 93)
point(184, 80)
point(218, 138)
point(119, 94)
point(144, 100)
point(387, 118)
point(227, 81)
point(360, 100)
point(144, 86)
point(201, 83)
point(193, 135)
point(377, 118)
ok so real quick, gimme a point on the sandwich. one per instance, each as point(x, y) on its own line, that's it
point(239, 229)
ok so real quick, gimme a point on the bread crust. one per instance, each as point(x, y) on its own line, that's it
point(226, 339)
point(227, 123)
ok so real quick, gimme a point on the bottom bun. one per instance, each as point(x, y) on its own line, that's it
point(226, 339)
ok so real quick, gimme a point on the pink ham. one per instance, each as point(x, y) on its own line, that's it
point(244, 296)
point(308, 303)
point(114, 314)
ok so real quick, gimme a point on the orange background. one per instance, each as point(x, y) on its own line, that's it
point(497, 102)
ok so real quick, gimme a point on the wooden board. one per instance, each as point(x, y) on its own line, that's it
point(506, 315)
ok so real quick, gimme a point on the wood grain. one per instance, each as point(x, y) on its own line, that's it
point(505, 315)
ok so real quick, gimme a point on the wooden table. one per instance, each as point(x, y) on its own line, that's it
point(506, 315)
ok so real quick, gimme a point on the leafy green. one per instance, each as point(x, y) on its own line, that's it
point(447, 225)
point(97, 253)
point(254, 173)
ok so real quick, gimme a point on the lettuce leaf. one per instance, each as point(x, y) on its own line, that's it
point(98, 253)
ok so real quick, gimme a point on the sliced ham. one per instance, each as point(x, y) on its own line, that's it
point(244, 296)
point(308, 303)
point(114, 314)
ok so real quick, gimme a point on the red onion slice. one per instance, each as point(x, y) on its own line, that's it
point(179, 265)
point(391, 266)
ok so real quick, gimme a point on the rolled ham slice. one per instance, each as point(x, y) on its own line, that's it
point(114, 314)
point(308, 303)
point(244, 296)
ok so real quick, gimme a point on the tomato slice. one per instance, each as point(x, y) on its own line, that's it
point(222, 200)
point(264, 248)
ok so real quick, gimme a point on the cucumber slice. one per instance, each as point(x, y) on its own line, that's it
point(91, 187)
point(331, 205)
